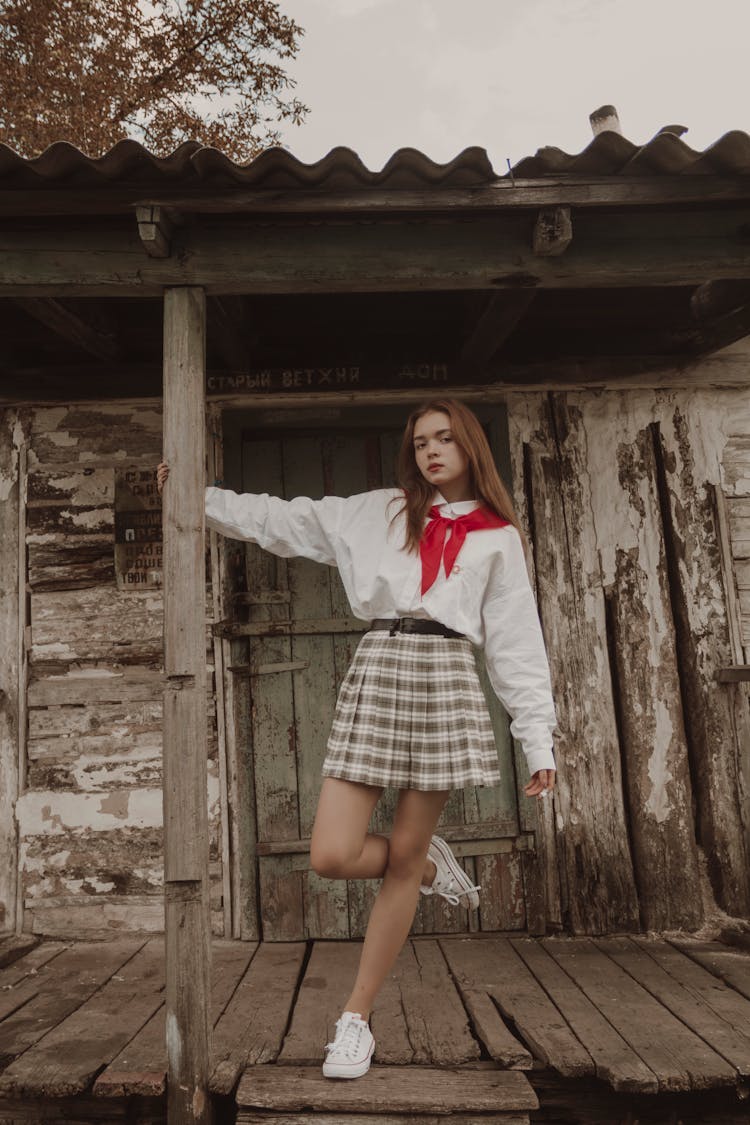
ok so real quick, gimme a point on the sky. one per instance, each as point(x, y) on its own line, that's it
point(440, 75)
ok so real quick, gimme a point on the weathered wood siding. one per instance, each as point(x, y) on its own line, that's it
point(13, 426)
point(90, 818)
point(618, 488)
point(737, 497)
point(618, 491)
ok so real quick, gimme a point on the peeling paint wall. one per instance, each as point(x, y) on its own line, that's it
point(627, 481)
point(654, 770)
point(89, 821)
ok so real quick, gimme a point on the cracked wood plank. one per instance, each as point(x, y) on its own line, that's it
point(251, 1028)
point(437, 1025)
point(493, 967)
point(679, 1058)
point(325, 987)
point(616, 1062)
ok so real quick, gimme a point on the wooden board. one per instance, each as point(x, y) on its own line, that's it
point(693, 1006)
point(140, 1067)
point(101, 434)
point(388, 1018)
point(615, 1061)
point(498, 1040)
point(493, 967)
point(251, 1028)
point(22, 981)
point(678, 1058)
point(325, 988)
point(249, 1117)
point(83, 1109)
point(670, 247)
point(95, 624)
point(69, 1056)
point(646, 679)
point(730, 965)
point(105, 684)
point(408, 1089)
point(14, 946)
point(70, 979)
point(436, 1021)
point(13, 661)
point(691, 469)
point(593, 853)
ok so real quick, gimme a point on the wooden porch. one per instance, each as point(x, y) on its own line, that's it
point(484, 1028)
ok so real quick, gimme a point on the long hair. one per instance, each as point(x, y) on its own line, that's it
point(485, 480)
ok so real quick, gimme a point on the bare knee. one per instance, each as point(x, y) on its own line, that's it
point(331, 860)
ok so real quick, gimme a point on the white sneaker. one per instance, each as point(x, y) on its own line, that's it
point(451, 881)
point(350, 1053)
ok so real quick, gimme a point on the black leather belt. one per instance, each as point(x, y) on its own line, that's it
point(415, 625)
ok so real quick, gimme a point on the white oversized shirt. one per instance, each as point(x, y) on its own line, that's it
point(487, 595)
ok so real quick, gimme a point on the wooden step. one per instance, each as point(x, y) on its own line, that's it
point(385, 1095)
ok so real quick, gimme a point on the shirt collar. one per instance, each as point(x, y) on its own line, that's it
point(457, 508)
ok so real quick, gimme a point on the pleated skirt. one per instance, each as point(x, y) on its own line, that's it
point(411, 714)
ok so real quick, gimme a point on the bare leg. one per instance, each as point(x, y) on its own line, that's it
point(393, 911)
point(341, 847)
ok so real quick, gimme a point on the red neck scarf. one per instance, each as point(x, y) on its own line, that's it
point(433, 548)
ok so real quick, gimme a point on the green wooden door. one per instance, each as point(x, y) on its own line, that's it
point(294, 679)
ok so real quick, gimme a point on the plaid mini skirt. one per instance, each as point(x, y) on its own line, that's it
point(411, 714)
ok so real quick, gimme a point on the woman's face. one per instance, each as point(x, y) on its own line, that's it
point(440, 459)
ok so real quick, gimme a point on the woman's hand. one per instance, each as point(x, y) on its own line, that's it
point(542, 782)
point(162, 472)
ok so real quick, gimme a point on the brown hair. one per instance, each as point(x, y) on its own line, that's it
point(485, 480)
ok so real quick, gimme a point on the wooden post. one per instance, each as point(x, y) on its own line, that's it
point(187, 922)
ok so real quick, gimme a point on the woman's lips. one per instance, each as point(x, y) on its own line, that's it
point(434, 468)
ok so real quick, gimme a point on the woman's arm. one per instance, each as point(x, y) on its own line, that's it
point(289, 528)
point(310, 528)
point(516, 659)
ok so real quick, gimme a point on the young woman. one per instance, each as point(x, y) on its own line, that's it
point(437, 566)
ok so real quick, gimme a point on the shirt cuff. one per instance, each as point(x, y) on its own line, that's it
point(540, 758)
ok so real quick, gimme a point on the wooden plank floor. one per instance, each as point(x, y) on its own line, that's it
point(465, 1017)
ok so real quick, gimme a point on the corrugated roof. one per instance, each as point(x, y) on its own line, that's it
point(62, 164)
point(610, 154)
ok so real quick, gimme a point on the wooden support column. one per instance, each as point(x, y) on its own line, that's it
point(188, 948)
point(14, 425)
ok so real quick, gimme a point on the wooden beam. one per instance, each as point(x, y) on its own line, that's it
point(547, 191)
point(734, 674)
point(721, 310)
point(136, 382)
point(156, 225)
point(680, 247)
point(501, 315)
point(187, 922)
point(553, 232)
point(13, 435)
point(71, 327)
